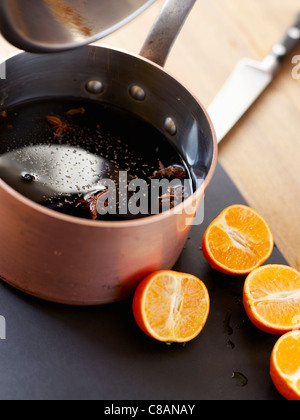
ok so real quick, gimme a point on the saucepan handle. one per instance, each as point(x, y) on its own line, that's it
point(165, 30)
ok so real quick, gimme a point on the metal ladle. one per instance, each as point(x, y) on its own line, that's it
point(57, 25)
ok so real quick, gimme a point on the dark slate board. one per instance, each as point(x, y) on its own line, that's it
point(53, 352)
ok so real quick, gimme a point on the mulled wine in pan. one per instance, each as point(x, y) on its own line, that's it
point(90, 160)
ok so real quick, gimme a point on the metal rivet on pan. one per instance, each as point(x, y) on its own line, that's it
point(137, 93)
point(170, 126)
point(94, 86)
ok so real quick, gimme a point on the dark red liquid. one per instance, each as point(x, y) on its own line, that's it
point(60, 161)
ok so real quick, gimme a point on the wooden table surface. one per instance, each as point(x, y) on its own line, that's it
point(262, 153)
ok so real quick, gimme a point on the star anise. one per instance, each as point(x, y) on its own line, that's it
point(59, 127)
point(173, 172)
point(92, 202)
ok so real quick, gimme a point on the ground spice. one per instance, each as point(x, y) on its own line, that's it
point(68, 16)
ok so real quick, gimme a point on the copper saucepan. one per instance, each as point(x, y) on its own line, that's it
point(73, 261)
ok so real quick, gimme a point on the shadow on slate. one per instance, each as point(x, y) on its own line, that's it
point(53, 352)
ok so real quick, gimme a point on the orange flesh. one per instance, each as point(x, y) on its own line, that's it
point(174, 307)
point(239, 239)
point(285, 365)
point(273, 294)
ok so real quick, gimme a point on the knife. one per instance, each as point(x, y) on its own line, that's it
point(247, 82)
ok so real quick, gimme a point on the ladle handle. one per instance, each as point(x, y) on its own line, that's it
point(165, 30)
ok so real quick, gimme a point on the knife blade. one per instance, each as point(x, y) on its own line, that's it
point(247, 82)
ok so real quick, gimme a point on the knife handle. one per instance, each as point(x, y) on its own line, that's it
point(281, 50)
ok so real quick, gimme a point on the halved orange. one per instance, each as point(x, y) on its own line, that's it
point(171, 307)
point(285, 366)
point(238, 241)
point(272, 298)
